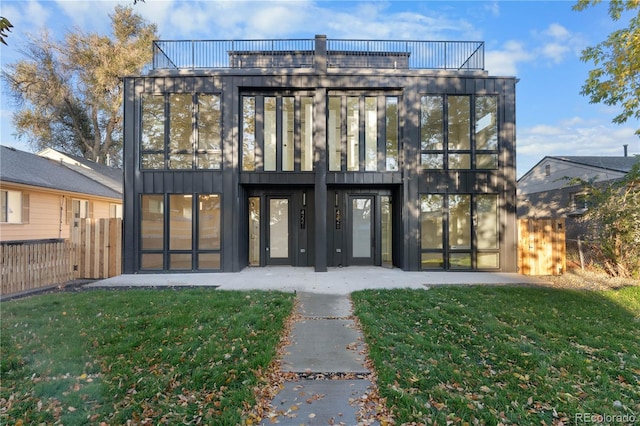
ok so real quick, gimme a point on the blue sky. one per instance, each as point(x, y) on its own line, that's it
point(536, 41)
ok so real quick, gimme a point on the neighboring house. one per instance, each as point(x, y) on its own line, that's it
point(42, 193)
point(319, 152)
point(546, 192)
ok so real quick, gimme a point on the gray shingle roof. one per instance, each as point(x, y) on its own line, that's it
point(30, 169)
point(619, 164)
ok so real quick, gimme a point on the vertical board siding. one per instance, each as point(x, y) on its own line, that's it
point(33, 265)
point(98, 248)
point(93, 251)
point(541, 247)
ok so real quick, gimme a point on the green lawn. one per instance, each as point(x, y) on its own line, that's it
point(151, 356)
point(504, 355)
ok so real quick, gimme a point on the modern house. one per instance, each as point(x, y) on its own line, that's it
point(319, 153)
point(41, 194)
point(546, 191)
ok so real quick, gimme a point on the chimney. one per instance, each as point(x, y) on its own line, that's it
point(625, 146)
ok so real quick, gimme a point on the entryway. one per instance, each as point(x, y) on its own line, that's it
point(361, 229)
point(277, 227)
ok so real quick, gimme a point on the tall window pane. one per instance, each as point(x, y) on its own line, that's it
point(269, 134)
point(487, 227)
point(180, 221)
point(371, 133)
point(431, 222)
point(152, 122)
point(180, 122)
point(288, 142)
point(333, 134)
point(486, 122)
point(209, 222)
point(431, 132)
point(431, 123)
point(460, 222)
point(306, 134)
point(353, 134)
point(248, 133)
point(459, 123)
point(392, 139)
point(152, 222)
point(209, 132)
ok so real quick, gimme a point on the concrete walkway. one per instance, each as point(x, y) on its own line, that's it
point(335, 281)
point(327, 353)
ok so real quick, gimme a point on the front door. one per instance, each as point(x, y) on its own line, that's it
point(278, 242)
point(361, 244)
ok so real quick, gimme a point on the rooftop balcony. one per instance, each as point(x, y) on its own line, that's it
point(319, 53)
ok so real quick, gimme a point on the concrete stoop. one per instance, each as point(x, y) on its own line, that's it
point(327, 354)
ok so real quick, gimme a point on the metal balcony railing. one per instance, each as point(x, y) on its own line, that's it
point(304, 53)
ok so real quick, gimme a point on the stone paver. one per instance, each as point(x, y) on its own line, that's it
point(323, 342)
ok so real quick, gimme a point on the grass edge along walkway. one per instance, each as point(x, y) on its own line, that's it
point(504, 355)
point(146, 356)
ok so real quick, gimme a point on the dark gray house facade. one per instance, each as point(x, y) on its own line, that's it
point(319, 153)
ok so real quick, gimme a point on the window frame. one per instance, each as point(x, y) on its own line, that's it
point(446, 252)
point(337, 144)
point(256, 161)
point(444, 152)
point(163, 250)
point(195, 156)
point(9, 197)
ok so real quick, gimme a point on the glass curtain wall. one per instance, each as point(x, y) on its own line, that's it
point(363, 133)
point(181, 131)
point(277, 133)
point(168, 226)
point(463, 149)
point(459, 231)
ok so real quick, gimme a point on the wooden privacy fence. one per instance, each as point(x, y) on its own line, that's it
point(98, 248)
point(28, 265)
point(541, 246)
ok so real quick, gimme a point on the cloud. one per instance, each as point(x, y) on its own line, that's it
point(573, 136)
point(550, 46)
point(505, 61)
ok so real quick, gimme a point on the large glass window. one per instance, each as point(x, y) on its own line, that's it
point(306, 134)
point(180, 220)
point(371, 133)
point(459, 132)
point(152, 222)
point(461, 228)
point(432, 132)
point(392, 133)
point(191, 223)
point(152, 140)
point(487, 231)
point(209, 148)
point(462, 150)
point(193, 138)
point(277, 133)
point(360, 140)
point(270, 137)
point(333, 134)
point(288, 141)
point(180, 129)
point(353, 133)
point(486, 132)
point(248, 133)
point(431, 231)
